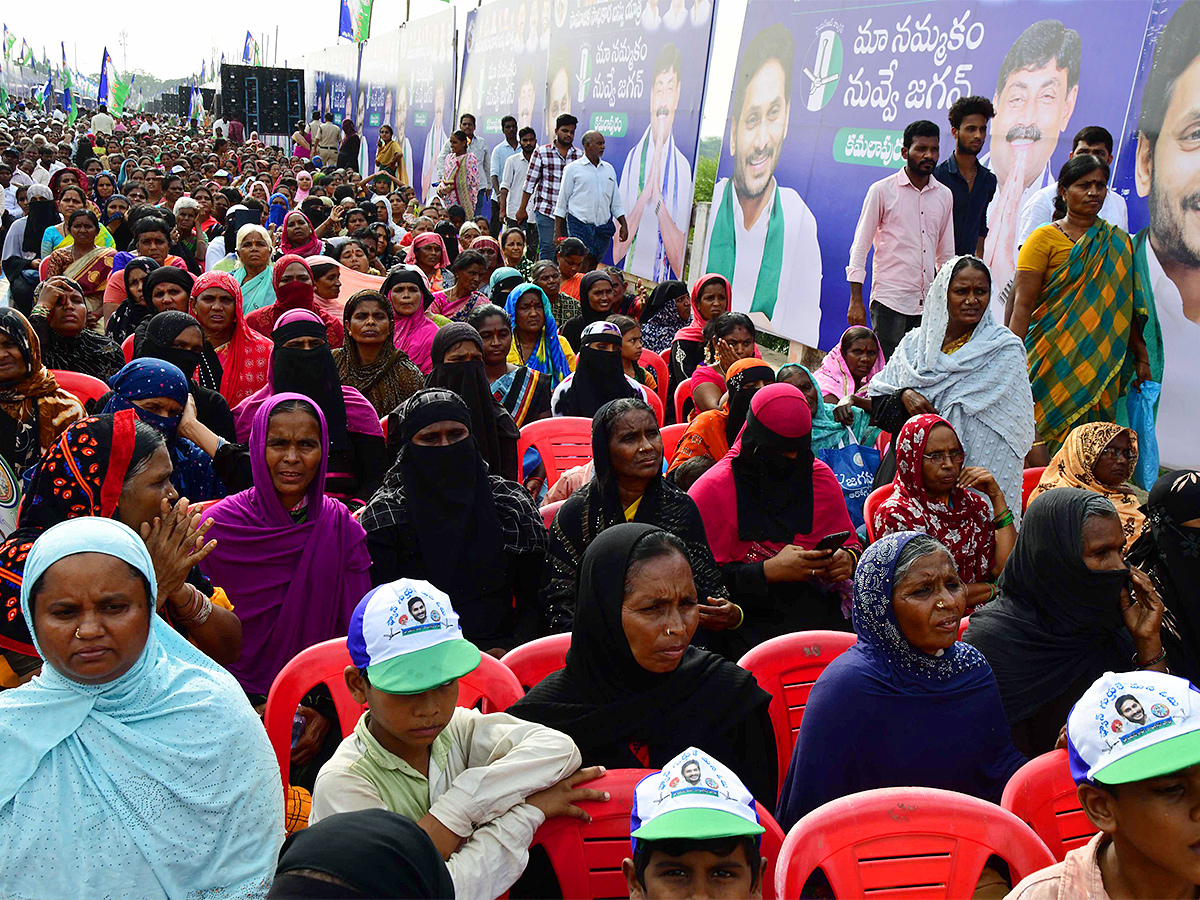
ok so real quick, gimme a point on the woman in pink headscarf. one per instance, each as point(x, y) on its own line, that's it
point(241, 356)
point(302, 362)
point(850, 366)
point(292, 278)
point(405, 289)
point(766, 505)
point(298, 236)
point(428, 253)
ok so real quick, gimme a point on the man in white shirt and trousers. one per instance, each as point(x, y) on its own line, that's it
point(589, 200)
point(656, 183)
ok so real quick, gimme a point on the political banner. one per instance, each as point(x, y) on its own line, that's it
point(635, 72)
point(1158, 170)
point(504, 66)
point(331, 79)
point(407, 78)
point(820, 100)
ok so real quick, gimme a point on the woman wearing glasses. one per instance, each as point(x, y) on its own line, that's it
point(967, 368)
point(1099, 457)
point(934, 493)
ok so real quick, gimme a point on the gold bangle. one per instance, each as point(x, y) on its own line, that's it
point(741, 617)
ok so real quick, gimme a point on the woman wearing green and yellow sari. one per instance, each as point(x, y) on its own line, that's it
point(1079, 305)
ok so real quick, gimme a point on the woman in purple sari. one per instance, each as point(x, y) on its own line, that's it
point(295, 561)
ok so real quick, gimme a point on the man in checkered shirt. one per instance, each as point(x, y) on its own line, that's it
point(544, 179)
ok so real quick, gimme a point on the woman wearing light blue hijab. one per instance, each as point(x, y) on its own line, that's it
point(132, 773)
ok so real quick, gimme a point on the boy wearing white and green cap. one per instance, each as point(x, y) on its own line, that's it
point(1133, 741)
point(479, 785)
point(695, 833)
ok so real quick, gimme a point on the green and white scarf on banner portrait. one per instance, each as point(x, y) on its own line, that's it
point(722, 253)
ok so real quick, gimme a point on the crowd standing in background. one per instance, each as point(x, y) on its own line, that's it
point(253, 404)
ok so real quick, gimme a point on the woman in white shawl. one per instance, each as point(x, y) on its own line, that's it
point(134, 766)
point(964, 366)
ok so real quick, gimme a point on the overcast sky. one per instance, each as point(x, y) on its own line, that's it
point(169, 40)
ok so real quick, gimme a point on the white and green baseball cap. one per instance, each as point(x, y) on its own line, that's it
point(406, 635)
point(694, 797)
point(1132, 726)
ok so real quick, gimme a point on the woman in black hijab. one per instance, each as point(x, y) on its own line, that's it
point(627, 486)
point(178, 338)
point(372, 853)
point(634, 693)
point(449, 235)
point(1169, 552)
point(440, 517)
point(599, 375)
point(598, 297)
point(666, 311)
point(1064, 615)
point(457, 355)
point(136, 307)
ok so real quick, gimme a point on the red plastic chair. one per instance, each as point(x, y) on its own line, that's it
point(655, 404)
point(563, 442)
point(548, 512)
point(874, 499)
point(906, 842)
point(587, 858)
point(1029, 480)
point(127, 348)
point(672, 435)
point(383, 424)
point(662, 375)
point(206, 505)
point(787, 667)
point(85, 387)
point(540, 657)
point(683, 393)
point(666, 358)
point(323, 663)
point(1042, 795)
point(962, 626)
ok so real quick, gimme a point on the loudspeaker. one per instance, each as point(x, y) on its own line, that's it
point(266, 99)
point(207, 96)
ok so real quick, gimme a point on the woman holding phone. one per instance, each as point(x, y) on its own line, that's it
point(776, 521)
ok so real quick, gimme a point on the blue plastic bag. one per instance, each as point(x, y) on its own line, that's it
point(1140, 406)
point(854, 467)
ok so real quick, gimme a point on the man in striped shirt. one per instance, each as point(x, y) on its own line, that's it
point(544, 180)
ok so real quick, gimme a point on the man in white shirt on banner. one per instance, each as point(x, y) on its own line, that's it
point(434, 141)
point(656, 183)
point(588, 201)
point(1036, 90)
point(762, 235)
point(1167, 252)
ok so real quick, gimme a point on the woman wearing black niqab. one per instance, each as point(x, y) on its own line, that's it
point(1057, 624)
point(599, 375)
point(441, 517)
point(491, 425)
point(156, 338)
point(1169, 552)
point(624, 716)
point(372, 853)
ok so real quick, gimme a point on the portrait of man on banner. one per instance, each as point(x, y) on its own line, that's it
point(1036, 90)
point(656, 183)
point(1167, 251)
point(761, 235)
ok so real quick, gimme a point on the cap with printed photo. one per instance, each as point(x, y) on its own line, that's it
point(406, 635)
point(694, 797)
point(1132, 726)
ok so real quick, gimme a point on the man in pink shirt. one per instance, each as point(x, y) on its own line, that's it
point(1133, 741)
point(909, 218)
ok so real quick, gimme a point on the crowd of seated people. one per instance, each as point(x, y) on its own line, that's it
point(267, 415)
